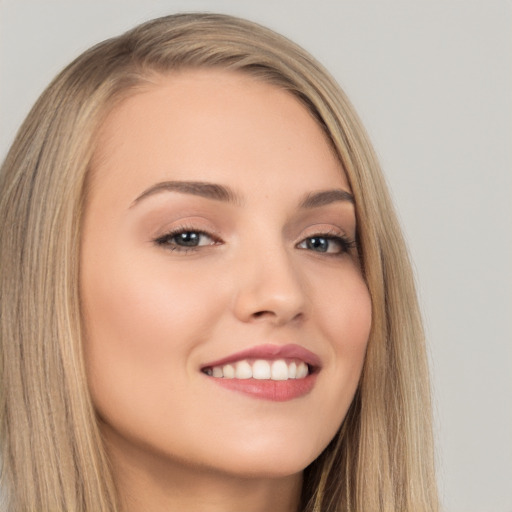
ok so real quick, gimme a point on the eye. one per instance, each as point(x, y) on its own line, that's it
point(327, 244)
point(183, 239)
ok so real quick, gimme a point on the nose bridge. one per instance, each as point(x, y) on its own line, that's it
point(268, 283)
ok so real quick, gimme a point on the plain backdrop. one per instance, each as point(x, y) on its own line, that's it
point(432, 81)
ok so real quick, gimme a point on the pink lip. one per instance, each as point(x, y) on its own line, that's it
point(276, 391)
point(270, 352)
point(272, 390)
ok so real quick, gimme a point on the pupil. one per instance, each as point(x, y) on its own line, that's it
point(188, 239)
point(318, 244)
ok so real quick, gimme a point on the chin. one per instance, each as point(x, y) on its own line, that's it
point(265, 458)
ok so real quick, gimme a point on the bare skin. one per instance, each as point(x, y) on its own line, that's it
point(151, 485)
point(218, 223)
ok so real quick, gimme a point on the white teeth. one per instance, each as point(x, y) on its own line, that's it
point(292, 370)
point(228, 371)
point(217, 372)
point(243, 370)
point(279, 370)
point(261, 370)
point(302, 370)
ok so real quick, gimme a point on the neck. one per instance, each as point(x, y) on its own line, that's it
point(152, 483)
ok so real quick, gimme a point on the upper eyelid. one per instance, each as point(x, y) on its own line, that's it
point(185, 226)
point(323, 230)
point(330, 236)
point(174, 232)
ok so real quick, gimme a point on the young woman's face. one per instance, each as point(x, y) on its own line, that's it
point(219, 241)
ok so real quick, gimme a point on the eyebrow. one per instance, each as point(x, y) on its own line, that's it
point(225, 194)
point(325, 197)
point(195, 188)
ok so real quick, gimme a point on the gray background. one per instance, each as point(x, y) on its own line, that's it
point(432, 81)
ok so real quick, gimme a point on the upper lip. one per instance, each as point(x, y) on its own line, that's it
point(270, 351)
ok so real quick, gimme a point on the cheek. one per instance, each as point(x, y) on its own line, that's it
point(351, 322)
point(345, 317)
point(142, 322)
point(342, 302)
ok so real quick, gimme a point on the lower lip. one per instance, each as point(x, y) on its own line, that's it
point(272, 390)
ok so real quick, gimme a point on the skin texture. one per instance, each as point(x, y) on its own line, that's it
point(156, 313)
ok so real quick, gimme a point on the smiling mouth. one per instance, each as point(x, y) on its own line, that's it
point(276, 373)
point(261, 369)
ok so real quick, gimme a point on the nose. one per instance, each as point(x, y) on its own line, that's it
point(269, 289)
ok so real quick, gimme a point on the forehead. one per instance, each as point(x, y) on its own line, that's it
point(214, 125)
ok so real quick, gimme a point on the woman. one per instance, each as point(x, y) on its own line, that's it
point(206, 300)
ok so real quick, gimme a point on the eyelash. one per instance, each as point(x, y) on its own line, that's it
point(346, 244)
point(165, 240)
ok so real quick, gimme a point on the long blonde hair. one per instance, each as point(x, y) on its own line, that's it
point(53, 458)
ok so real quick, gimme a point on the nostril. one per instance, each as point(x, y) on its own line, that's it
point(275, 317)
point(259, 314)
